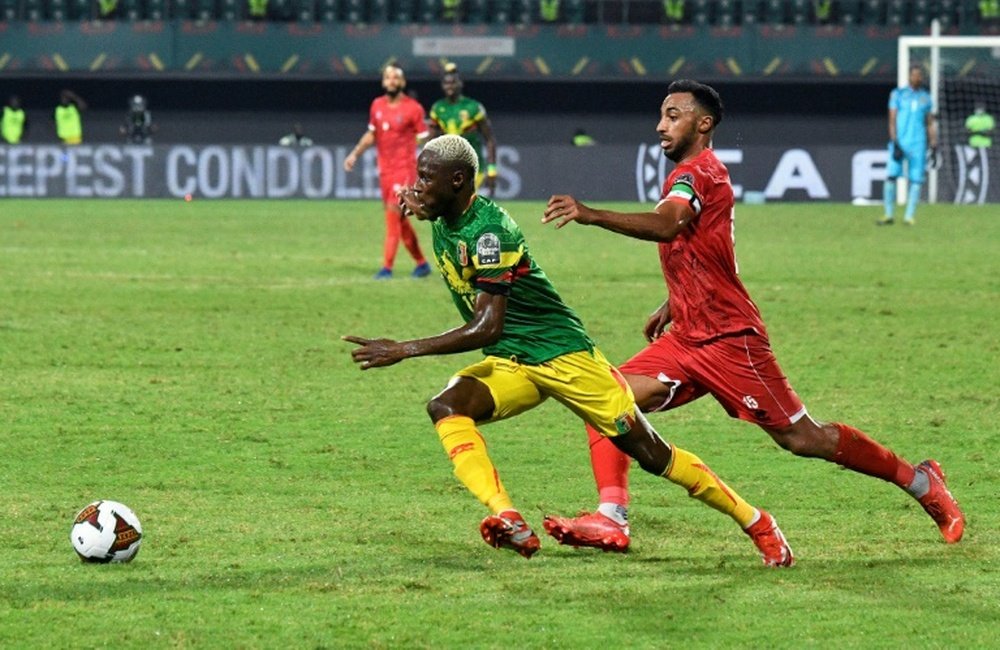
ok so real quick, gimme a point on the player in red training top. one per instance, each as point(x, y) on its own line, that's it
point(396, 123)
point(716, 342)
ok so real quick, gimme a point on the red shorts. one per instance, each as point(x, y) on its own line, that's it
point(391, 181)
point(739, 371)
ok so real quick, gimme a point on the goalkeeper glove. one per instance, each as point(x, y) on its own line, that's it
point(897, 151)
point(933, 158)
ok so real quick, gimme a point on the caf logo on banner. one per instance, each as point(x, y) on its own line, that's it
point(973, 175)
point(650, 170)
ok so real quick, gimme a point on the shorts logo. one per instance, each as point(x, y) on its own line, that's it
point(624, 424)
point(488, 249)
point(463, 254)
point(750, 402)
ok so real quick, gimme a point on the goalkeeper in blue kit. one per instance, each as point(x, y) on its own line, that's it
point(911, 133)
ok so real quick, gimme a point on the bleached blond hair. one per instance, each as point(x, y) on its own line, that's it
point(454, 149)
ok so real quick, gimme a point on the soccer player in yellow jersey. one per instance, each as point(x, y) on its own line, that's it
point(535, 347)
point(456, 114)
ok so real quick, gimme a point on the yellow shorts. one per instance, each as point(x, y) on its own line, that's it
point(582, 381)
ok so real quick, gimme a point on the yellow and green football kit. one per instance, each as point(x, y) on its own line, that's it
point(543, 352)
point(462, 117)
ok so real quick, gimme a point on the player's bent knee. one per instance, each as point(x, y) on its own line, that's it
point(652, 454)
point(463, 396)
point(439, 410)
point(798, 442)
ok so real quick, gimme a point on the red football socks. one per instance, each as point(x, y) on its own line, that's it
point(856, 451)
point(610, 467)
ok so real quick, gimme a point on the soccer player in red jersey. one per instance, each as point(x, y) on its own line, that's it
point(716, 342)
point(396, 123)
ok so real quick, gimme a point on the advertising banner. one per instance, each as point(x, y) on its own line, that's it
point(599, 173)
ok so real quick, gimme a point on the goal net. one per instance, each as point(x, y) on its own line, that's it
point(964, 73)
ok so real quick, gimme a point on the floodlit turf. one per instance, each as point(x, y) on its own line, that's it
point(184, 358)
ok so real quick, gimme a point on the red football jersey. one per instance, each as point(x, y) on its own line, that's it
point(707, 298)
point(396, 127)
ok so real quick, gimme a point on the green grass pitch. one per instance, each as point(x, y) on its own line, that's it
point(185, 358)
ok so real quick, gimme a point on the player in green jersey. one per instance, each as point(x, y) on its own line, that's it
point(535, 346)
point(456, 114)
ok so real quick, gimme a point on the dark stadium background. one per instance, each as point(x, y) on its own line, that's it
point(818, 111)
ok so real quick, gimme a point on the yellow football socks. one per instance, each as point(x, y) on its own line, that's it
point(688, 471)
point(467, 450)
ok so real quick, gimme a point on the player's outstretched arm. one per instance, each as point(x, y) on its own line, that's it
point(367, 140)
point(484, 329)
point(660, 225)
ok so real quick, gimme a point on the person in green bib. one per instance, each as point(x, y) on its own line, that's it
point(980, 126)
point(14, 123)
point(456, 114)
point(69, 124)
point(535, 347)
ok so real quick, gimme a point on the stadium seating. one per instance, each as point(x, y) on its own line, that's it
point(377, 11)
point(895, 13)
point(522, 12)
point(326, 11)
point(850, 13)
point(129, 10)
point(476, 12)
point(181, 9)
point(353, 11)
point(901, 14)
point(230, 9)
point(57, 10)
point(402, 11)
point(725, 13)
point(32, 10)
point(872, 12)
point(573, 11)
point(156, 10)
point(426, 11)
point(204, 9)
point(701, 13)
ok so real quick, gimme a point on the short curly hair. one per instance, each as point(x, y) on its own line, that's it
point(456, 150)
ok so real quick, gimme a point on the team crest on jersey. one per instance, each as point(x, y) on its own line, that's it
point(488, 249)
point(463, 254)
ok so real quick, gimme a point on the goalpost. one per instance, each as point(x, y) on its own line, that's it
point(963, 71)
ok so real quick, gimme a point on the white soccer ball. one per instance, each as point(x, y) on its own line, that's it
point(106, 531)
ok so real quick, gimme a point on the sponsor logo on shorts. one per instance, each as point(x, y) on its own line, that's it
point(624, 423)
point(488, 249)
